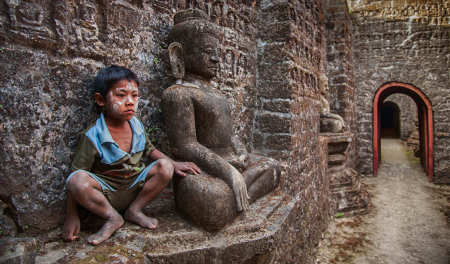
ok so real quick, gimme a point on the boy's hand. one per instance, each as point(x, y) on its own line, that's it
point(181, 168)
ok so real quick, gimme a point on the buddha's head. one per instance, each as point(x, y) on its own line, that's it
point(194, 44)
point(323, 85)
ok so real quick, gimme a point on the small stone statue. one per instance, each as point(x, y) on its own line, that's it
point(329, 122)
point(199, 127)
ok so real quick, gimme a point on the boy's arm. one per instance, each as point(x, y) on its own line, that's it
point(181, 168)
point(83, 160)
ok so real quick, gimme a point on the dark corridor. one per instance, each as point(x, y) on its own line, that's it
point(390, 120)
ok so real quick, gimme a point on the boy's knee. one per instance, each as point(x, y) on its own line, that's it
point(165, 169)
point(79, 182)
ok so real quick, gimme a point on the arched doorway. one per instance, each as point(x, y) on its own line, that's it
point(390, 120)
point(425, 114)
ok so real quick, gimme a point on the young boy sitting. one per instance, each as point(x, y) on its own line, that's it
point(109, 176)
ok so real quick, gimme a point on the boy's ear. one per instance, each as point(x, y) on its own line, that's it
point(176, 57)
point(99, 99)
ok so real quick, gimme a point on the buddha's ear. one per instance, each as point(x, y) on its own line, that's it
point(176, 60)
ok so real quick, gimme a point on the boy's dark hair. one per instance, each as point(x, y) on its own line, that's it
point(108, 76)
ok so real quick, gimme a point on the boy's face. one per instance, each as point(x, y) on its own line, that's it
point(121, 100)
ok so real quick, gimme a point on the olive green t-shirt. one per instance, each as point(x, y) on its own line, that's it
point(98, 153)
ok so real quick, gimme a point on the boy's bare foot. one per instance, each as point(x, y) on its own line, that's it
point(141, 219)
point(107, 230)
point(71, 228)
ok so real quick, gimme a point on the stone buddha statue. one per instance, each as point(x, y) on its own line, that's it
point(199, 126)
point(329, 122)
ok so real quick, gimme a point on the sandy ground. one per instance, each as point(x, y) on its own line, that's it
point(407, 221)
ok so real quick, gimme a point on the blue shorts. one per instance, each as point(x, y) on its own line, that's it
point(106, 187)
point(119, 199)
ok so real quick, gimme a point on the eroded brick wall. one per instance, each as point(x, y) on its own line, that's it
point(339, 67)
point(409, 42)
point(291, 52)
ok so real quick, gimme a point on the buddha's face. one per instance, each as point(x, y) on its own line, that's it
point(324, 89)
point(202, 57)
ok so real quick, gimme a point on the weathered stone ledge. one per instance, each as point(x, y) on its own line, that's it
point(253, 235)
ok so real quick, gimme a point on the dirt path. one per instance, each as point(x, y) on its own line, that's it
point(406, 224)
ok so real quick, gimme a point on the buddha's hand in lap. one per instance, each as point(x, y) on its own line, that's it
point(240, 190)
point(240, 162)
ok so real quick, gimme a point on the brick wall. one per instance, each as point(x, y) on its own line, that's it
point(291, 52)
point(409, 43)
point(339, 66)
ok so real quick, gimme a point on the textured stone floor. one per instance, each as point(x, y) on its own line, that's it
point(407, 222)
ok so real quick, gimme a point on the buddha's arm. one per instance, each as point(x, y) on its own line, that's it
point(239, 158)
point(179, 114)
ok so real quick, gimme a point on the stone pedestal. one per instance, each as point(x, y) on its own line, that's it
point(344, 181)
point(253, 237)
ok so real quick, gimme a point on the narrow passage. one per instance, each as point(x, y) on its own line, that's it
point(407, 221)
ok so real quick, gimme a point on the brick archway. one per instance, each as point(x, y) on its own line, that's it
point(425, 114)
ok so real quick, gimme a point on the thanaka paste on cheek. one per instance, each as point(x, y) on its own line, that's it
point(116, 104)
point(132, 88)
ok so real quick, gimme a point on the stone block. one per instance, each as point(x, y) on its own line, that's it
point(281, 106)
point(279, 31)
point(278, 12)
point(279, 142)
point(274, 52)
point(18, 250)
point(336, 159)
point(275, 89)
point(274, 72)
point(258, 140)
point(271, 123)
